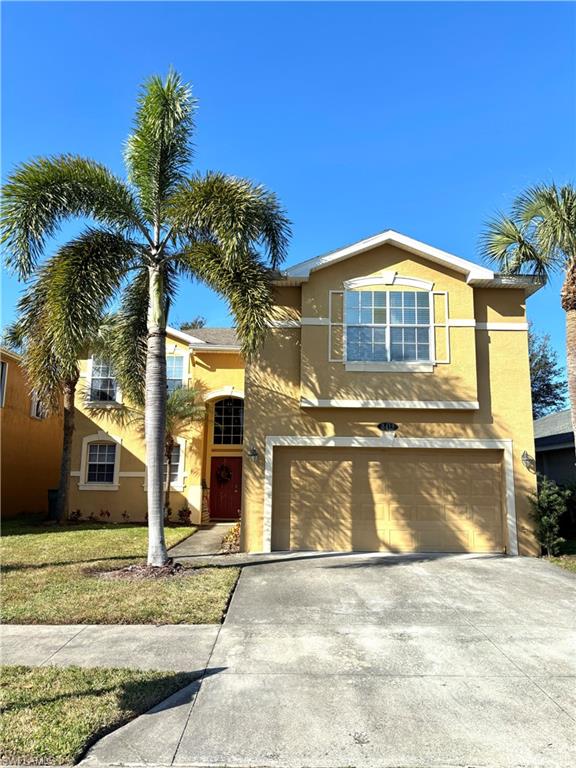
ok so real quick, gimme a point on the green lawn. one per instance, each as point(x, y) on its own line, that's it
point(51, 715)
point(50, 576)
point(567, 558)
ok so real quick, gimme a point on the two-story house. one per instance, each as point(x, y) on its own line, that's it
point(390, 406)
point(108, 466)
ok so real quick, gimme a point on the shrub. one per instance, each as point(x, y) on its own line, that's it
point(548, 506)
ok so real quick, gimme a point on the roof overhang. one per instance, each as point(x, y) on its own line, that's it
point(209, 348)
point(199, 345)
point(474, 274)
point(5, 352)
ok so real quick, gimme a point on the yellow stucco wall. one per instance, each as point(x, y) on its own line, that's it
point(487, 366)
point(215, 375)
point(30, 448)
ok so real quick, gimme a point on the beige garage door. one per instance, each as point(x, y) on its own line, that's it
point(398, 500)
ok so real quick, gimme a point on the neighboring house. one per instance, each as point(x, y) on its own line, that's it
point(391, 332)
point(31, 443)
point(108, 465)
point(555, 455)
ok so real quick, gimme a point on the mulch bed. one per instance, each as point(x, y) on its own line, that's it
point(134, 572)
point(231, 542)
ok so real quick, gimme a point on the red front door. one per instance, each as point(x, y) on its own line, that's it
point(225, 488)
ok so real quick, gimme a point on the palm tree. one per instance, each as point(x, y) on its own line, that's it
point(160, 224)
point(183, 409)
point(52, 342)
point(539, 236)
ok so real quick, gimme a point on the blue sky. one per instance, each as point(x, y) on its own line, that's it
point(420, 117)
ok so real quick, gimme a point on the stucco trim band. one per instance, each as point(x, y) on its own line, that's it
point(274, 441)
point(502, 326)
point(446, 405)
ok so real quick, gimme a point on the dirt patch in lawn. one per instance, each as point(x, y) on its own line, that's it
point(144, 572)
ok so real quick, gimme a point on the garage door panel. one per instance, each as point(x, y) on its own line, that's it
point(400, 500)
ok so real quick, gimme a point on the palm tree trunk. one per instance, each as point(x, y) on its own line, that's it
point(168, 448)
point(69, 391)
point(569, 306)
point(155, 416)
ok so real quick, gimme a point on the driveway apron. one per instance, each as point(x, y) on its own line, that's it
point(330, 661)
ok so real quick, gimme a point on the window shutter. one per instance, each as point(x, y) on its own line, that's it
point(336, 331)
point(440, 328)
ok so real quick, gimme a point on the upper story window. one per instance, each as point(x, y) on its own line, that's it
point(3, 377)
point(174, 372)
point(229, 421)
point(103, 386)
point(388, 326)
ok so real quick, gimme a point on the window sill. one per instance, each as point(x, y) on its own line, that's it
point(104, 403)
point(98, 486)
point(415, 367)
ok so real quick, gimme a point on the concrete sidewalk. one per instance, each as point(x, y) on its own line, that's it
point(376, 661)
point(205, 542)
point(176, 648)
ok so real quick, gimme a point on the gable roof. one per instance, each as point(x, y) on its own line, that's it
point(474, 273)
point(226, 336)
point(208, 339)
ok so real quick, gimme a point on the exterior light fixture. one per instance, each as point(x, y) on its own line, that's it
point(253, 454)
point(528, 461)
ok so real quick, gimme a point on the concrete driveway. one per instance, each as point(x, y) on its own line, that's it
point(332, 661)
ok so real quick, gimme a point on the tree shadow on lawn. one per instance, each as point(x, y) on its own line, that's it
point(31, 525)
point(12, 567)
point(354, 559)
point(131, 694)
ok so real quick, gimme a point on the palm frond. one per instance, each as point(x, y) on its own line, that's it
point(159, 149)
point(234, 213)
point(507, 243)
point(246, 284)
point(119, 414)
point(78, 283)
point(550, 212)
point(184, 408)
point(13, 337)
point(62, 309)
point(40, 194)
point(122, 337)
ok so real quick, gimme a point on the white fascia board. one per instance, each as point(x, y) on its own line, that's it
point(470, 269)
point(185, 337)
point(205, 347)
point(529, 283)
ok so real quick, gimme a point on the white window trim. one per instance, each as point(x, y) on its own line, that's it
point(404, 442)
point(229, 391)
point(389, 279)
point(226, 446)
point(99, 437)
point(101, 403)
point(34, 402)
point(407, 366)
point(404, 366)
point(179, 352)
point(4, 384)
point(180, 483)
